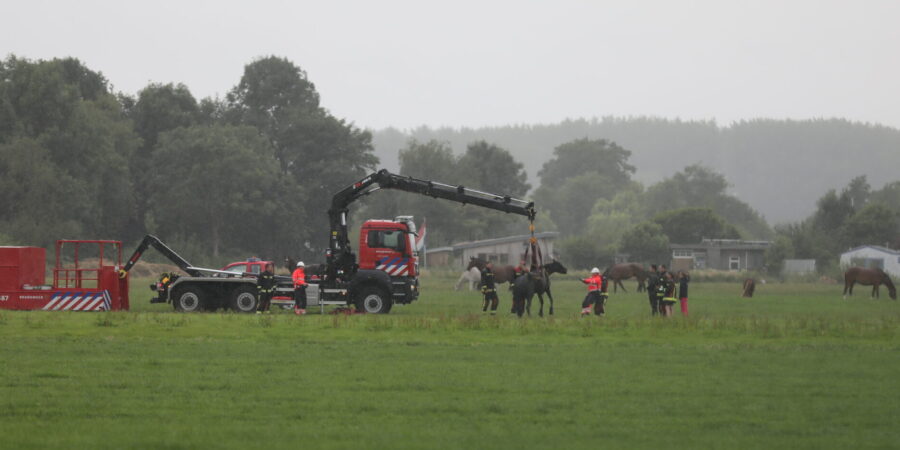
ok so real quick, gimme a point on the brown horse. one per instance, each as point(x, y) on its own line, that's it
point(624, 271)
point(868, 277)
point(539, 282)
point(502, 274)
point(749, 287)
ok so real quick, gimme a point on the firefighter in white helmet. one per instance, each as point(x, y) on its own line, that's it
point(299, 277)
point(596, 293)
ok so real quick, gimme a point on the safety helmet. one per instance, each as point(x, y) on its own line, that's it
point(595, 270)
point(300, 264)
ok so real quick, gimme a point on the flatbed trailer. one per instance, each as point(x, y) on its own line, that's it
point(77, 285)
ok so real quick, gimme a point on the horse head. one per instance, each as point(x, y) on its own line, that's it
point(892, 291)
point(476, 263)
point(555, 267)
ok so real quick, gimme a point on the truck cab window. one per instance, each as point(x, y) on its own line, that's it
point(387, 239)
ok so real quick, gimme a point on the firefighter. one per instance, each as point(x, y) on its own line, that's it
point(662, 287)
point(489, 289)
point(299, 277)
point(266, 286)
point(652, 294)
point(596, 294)
point(666, 294)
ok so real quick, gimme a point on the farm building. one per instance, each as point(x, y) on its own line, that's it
point(719, 254)
point(799, 266)
point(504, 250)
point(873, 256)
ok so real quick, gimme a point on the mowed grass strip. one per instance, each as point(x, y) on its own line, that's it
point(797, 367)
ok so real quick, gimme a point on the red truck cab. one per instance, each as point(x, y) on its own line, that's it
point(251, 265)
point(390, 246)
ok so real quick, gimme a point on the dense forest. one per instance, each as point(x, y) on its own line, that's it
point(779, 167)
point(253, 173)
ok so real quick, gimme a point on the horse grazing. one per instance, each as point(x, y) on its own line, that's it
point(749, 287)
point(868, 277)
point(472, 276)
point(541, 281)
point(618, 272)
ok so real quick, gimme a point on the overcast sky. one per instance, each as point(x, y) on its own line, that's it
point(472, 63)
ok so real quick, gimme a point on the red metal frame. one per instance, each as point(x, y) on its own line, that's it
point(77, 278)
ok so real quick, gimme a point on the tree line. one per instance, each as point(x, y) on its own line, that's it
point(250, 173)
point(253, 174)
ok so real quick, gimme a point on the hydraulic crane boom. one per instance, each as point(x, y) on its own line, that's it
point(162, 248)
point(340, 258)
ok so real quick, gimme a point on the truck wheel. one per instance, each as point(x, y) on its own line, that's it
point(188, 299)
point(243, 300)
point(374, 301)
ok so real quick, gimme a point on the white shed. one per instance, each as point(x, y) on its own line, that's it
point(873, 256)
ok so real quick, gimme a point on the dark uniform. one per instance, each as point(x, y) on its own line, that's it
point(299, 277)
point(489, 290)
point(266, 286)
point(663, 287)
point(652, 293)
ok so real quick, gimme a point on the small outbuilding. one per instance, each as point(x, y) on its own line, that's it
point(719, 254)
point(873, 256)
point(503, 250)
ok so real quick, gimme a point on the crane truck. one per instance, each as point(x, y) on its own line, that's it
point(385, 274)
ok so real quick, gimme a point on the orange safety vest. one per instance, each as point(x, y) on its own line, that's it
point(299, 277)
point(594, 282)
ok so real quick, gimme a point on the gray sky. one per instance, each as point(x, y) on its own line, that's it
point(473, 63)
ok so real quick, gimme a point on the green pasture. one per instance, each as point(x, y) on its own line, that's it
point(794, 367)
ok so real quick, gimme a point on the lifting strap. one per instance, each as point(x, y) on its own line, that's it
point(537, 258)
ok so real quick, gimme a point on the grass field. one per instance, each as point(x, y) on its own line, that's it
point(794, 367)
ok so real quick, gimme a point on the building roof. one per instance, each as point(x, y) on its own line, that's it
point(874, 247)
point(505, 240)
point(728, 244)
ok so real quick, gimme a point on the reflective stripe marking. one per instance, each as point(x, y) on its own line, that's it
point(91, 307)
point(50, 305)
point(72, 303)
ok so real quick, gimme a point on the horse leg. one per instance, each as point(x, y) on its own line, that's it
point(541, 311)
point(550, 296)
point(619, 282)
point(875, 290)
point(846, 285)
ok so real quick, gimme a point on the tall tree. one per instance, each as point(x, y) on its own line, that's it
point(221, 187)
point(580, 173)
point(691, 225)
point(158, 108)
point(318, 153)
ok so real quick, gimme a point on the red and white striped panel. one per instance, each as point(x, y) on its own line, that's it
point(79, 301)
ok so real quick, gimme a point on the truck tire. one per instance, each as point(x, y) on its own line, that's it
point(244, 300)
point(374, 300)
point(188, 299)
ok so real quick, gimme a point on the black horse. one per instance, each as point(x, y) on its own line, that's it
point(541, 281)
point(522, 290)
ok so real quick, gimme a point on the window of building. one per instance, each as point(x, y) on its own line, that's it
point(734, 263)
point(682, 253)
point(504, 258)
